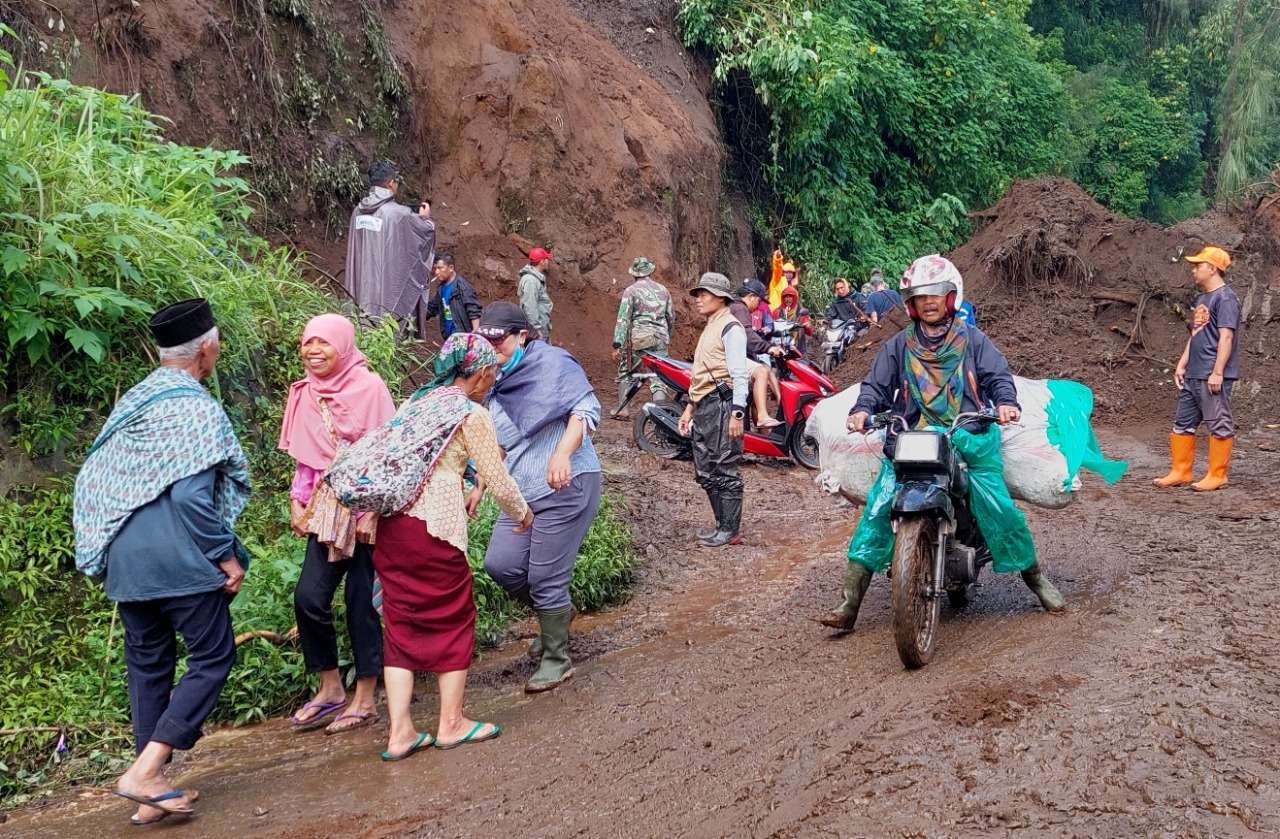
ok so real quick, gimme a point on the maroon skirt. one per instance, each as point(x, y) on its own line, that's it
point(428, 614)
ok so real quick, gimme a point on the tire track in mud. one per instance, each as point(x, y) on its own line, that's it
point(713, 705)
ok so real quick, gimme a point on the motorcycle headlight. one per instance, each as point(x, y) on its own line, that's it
point(918, 447)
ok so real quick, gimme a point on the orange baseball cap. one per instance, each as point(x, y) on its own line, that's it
point(1213, 255)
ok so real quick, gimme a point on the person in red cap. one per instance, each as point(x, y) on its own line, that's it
point(532, 288)
point(1205, 375)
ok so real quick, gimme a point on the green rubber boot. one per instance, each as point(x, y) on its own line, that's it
point(555, 667)
point(1050, 598)
point(857, 579)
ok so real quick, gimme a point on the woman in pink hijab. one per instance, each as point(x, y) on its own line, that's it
point(337, 401)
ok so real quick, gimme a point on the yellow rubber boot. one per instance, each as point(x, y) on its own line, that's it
point(1182, 452)
point(1219, 458)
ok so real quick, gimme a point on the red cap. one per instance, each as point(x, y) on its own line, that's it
point(536, 255)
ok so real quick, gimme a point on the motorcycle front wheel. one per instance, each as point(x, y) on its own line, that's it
point(915, 610)
point(828, 364)
point(803, 448)
point(653, 438)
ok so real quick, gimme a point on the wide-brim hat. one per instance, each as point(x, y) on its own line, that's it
point(717, 284)
point(641, 266)
point(180, 322)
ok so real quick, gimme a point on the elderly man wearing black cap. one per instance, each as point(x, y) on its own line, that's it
point(390, 252)
point(155, 503)
point(717, 405)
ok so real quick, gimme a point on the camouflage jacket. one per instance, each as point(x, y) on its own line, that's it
point(645, 315)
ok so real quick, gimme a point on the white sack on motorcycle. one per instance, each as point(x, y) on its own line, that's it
point(1035, 470)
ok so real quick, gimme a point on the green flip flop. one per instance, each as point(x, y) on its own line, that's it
point(471, 736)
point(424, 740)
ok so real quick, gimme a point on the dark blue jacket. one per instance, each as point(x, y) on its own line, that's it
point(987, 379)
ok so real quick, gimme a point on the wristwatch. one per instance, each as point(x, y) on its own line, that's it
point(738, 413)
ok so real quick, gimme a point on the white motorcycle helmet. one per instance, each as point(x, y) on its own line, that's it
point(932, 275)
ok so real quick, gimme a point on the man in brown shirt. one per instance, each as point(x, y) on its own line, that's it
point(717, 406)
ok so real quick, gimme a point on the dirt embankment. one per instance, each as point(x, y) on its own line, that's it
point(1070, 290)
point(524, 123)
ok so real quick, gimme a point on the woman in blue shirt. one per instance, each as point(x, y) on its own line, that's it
point(544, 410)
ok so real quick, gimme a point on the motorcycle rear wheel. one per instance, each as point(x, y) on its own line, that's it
point(651, 437)
point(915, 610)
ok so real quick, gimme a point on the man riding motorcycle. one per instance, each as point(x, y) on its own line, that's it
point(934, 369)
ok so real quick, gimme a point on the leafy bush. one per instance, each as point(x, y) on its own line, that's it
point(880, 109)
point(101, 222)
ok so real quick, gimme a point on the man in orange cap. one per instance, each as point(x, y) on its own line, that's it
point(1205, 375)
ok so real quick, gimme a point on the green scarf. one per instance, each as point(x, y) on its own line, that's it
point(935, 378)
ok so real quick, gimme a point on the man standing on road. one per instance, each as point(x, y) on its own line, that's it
point(155, 503)
point(390, 251)
point(453, 299)
point(1205, 375)
point(930, 372)
point(717, 406)
point(532, 290)
point(646, 321)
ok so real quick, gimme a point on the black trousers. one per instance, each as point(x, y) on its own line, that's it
point(161, 711)
point(716, 456)
point(313, 607)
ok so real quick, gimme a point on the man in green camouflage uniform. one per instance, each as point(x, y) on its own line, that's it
point(646, 321)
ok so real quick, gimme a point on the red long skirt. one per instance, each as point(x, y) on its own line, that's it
point(428, 614)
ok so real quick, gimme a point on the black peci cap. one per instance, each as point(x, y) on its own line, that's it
point(180, 322)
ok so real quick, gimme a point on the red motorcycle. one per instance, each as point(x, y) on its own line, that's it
point(802, 386)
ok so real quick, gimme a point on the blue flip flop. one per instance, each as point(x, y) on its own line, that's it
point(471, 736)
point(424, 740)
point(157, 802)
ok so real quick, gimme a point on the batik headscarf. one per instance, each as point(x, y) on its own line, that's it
point(355, 397)
point(386, 470)
point(461, 355)
point(935, 377)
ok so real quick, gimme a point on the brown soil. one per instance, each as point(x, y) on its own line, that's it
point(1058, 281)
point(582, 126)
point(714, 705)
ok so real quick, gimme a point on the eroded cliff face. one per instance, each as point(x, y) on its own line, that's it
point(581, 126)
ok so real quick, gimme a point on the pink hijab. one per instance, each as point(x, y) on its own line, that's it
point(357, 398)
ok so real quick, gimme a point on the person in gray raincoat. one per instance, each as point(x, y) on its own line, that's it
point(390, 251)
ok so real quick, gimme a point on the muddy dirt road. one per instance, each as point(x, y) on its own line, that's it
point(712, 704)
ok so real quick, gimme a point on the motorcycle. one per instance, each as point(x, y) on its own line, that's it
point(801, 386)
point(938, 550)
point(837, 338)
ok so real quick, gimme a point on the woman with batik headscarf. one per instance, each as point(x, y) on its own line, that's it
point(332, 406)
point(544, 410)
point(421, 555)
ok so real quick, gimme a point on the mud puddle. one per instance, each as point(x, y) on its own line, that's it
point(713, 705)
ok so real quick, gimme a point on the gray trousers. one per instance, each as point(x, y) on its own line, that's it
point(1197, 404)
point(541, 559)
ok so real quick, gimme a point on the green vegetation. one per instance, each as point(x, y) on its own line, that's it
point(884, 119)
point(101, 221)
point(864, 129)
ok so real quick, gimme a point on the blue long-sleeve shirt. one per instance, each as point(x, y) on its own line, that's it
point(527, 457)
point(171, 547)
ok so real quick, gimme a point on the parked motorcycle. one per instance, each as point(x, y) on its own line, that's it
point(838, 336)
point(938, 550)
point(802, 386)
